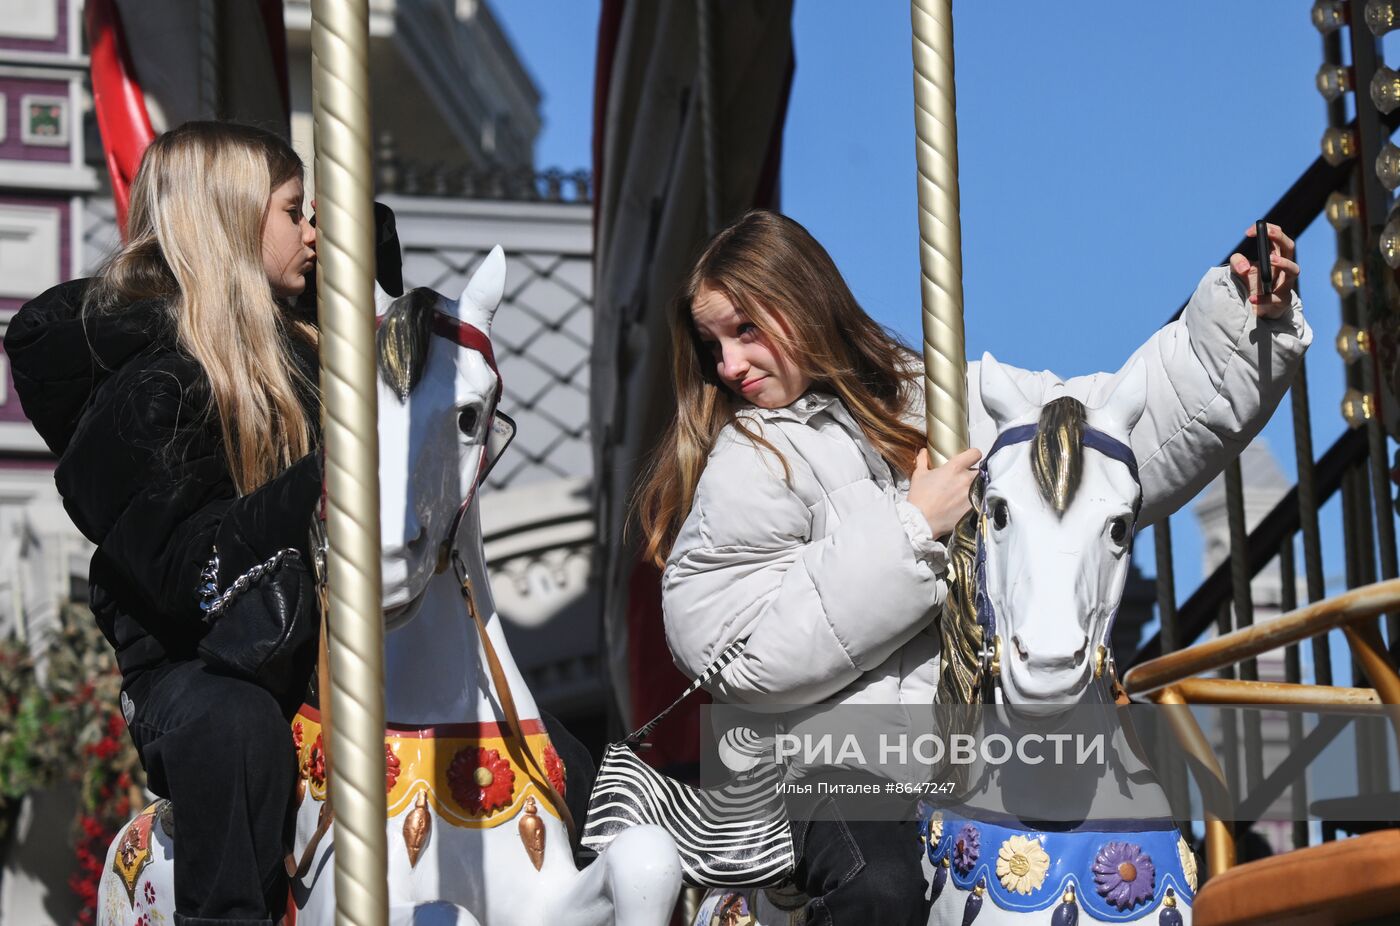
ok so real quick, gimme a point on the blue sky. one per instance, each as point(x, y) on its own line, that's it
point(1109, 154)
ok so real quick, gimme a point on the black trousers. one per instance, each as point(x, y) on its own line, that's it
point(221, 750)
point(858, 872)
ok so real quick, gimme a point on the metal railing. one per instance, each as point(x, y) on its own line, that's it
point(1346, 184)
point(394, 173)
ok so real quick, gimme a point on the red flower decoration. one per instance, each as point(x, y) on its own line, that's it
point(391, 768)
point(150, 893)
point(297, 732)
point(316, 763)
point(554, 768)
point(480, 780)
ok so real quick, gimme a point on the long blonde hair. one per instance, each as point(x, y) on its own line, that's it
point(194, 240)
point(785, 283)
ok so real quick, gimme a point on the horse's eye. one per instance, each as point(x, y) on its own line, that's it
point(1118, 530)
point(467, 419)
point(1000, 514)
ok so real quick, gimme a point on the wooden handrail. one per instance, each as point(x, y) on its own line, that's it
point(1346, 609)
point(1231, 691)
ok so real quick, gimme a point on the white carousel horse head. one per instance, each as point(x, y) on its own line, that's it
point(1059, 501)
point(439, 428)
point(1059, 505)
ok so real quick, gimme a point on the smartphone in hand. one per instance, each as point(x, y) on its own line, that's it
point(1265, 250)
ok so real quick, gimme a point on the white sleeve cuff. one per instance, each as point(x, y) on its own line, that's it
point(1237, 295)
point(927, 549)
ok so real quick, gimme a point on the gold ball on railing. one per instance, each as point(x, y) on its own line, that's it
point(1329, 15)
point(1333, 80)
point(1382, 16)
point(1390, 241)
point(1341, 210)
point(1385, 89)
point(1352, 343)
point(1388, 166)
point(1339, 145)
point(1357, 408)
point(1347, 277)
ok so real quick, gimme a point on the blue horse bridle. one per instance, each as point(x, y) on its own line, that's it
point(1093, 439)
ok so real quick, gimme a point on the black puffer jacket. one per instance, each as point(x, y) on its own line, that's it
point(141, 468)
point(141, 465)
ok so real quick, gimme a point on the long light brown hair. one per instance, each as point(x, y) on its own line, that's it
point(785, 283)
point(194, 241)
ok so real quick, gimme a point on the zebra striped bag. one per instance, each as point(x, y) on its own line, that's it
point(733, 836)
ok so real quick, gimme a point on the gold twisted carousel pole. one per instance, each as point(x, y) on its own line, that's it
point(345, 249)
point(940, 228)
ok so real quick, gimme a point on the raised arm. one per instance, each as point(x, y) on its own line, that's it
point(1215, 376)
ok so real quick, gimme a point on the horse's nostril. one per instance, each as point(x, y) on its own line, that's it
point(1082, 653)
point(1020, 648)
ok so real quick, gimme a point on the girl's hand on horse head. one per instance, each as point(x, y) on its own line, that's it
point(1285, 274)
point(942, 493)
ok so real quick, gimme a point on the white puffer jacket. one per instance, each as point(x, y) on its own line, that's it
point(834, 576)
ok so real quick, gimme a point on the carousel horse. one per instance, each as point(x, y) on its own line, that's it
point(1045, 556)
point(1037, 572)
point(476, 825)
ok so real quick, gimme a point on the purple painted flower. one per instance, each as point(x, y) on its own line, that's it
point(1124, 874)
point(967, 845)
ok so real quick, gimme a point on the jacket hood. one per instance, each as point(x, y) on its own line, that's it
point(59, 356)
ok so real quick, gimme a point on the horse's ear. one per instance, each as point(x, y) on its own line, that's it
point(1128, 398)
point(1001, 397)
point(382, 300)
point(483, 293)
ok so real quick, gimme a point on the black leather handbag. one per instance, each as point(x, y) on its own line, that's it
point(263, 627)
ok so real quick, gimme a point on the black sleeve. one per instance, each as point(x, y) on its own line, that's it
point(151, 487)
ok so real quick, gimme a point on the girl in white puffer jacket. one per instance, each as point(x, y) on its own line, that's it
point(791, 501)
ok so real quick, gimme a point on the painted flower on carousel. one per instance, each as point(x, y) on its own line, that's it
point(1124, 874)
point(554, 768)
point(1021, 864)
point(1188, 862)
point(480, 779)
point(316, 763)
point(298, 731)
point(967, 846)
point(391, 768)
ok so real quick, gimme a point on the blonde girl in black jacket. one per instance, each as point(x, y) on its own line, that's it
point(178, 390)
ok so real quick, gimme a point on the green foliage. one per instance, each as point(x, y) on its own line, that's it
point(69, 727)
point(32, 752)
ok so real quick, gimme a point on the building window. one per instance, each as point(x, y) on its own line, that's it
point(44, 120)
point(29, 249)
point(26, 19)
